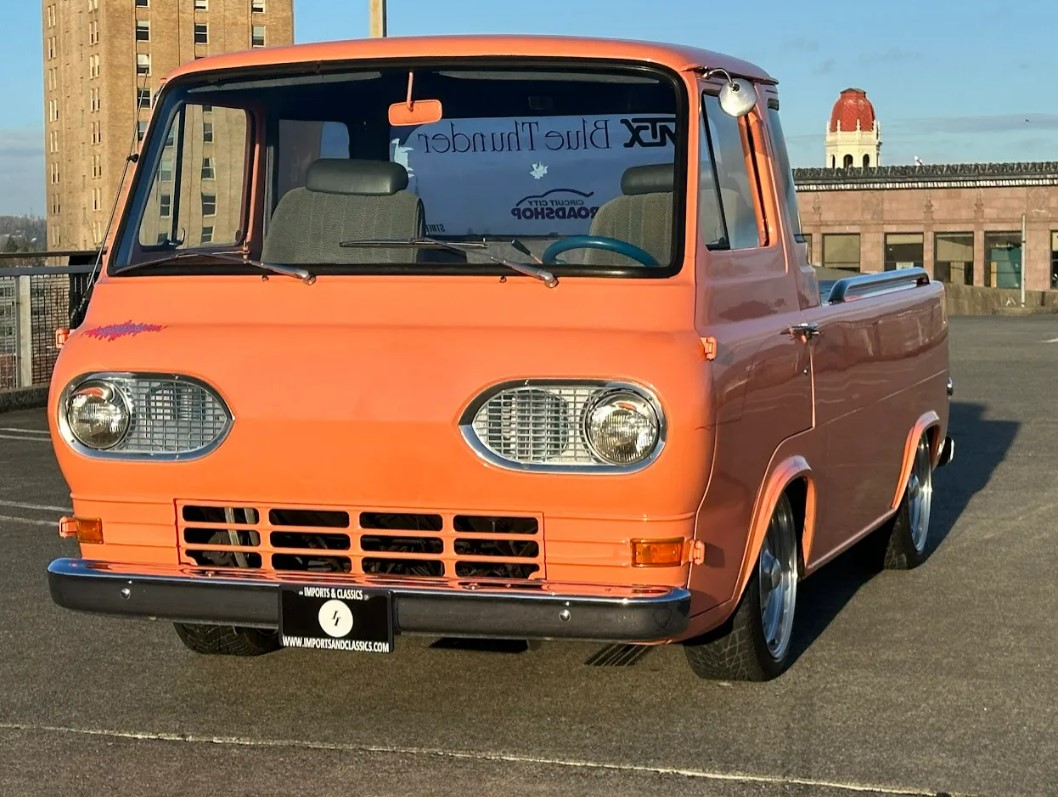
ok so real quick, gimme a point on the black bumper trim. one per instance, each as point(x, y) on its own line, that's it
point(655, 615)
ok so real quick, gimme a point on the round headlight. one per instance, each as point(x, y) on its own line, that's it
point(97, 414)
point(621, 427)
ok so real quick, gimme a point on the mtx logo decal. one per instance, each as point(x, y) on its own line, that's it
point(558, 203)
point(124, 330)
point(650, 131)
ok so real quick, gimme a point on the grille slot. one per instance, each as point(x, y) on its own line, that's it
point(428, 568)
point(322, 518)
point(243, 537)
point(400, 521)
point(312, 563)
point(301, 540)
point(383, 543)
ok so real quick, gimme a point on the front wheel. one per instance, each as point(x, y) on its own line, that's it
point(755, 644)
point(227, 640)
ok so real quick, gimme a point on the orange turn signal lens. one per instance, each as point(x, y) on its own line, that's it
point(85, 529)
point(657, 553)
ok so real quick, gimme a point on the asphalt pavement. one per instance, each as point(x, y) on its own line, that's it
point(940, 680)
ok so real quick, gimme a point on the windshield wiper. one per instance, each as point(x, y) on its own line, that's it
point(302, 274)
point(462, 247)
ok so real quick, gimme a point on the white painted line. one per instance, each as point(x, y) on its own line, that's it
point(28, 521)
point(24, 430)
point(42, 507)
point(34, 438)
point(1052, 340)
point(511, 758)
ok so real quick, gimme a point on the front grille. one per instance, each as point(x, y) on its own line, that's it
point(361, 541)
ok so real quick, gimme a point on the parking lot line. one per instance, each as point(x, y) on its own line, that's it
point(27, 521)
point(24, 437)
point(40, 507)
point(483, 755)
point(23, 429)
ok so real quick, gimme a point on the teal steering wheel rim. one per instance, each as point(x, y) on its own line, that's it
point(597, 242)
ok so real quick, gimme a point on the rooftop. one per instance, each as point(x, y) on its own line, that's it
point(939, 175)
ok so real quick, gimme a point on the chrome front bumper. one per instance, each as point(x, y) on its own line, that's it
point(545, 610)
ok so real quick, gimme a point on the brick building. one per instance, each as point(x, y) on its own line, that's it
point(103, 63)
point(962, 222)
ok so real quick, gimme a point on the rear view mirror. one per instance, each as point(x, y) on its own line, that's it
point(415, 112)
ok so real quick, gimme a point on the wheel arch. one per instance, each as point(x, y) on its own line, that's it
point(794, 478)
point(928, 424)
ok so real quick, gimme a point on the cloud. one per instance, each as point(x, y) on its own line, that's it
point(22, 171)
point(986, 123)
point(801, 44)
point(890, 55)
point(825, 68)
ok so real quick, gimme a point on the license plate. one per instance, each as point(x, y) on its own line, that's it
point(336, 618)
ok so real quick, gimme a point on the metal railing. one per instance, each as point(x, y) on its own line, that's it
point(35, 300)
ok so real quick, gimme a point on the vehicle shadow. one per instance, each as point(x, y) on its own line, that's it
point(981, 444)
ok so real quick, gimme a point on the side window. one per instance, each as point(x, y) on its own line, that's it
point(784, 176)
point(734, 183)
point(183, 200)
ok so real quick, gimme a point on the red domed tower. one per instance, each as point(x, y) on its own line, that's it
point(854, 137)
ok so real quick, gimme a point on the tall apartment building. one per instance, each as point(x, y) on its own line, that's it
point(103, 62)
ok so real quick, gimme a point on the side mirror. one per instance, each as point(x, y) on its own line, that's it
point(737, 97)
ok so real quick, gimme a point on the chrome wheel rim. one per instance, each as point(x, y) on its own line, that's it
point(920, 496)
point(777, 577)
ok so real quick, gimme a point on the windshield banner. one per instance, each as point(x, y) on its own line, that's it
point(526, 175)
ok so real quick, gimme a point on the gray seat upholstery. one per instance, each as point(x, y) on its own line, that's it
point(344, 200)
point(642, 215)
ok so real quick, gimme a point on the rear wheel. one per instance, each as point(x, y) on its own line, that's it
point(227, 640)
point(755, 644)
point(906, 534)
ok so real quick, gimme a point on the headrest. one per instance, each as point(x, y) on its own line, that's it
point(339, 176)
point(658, 178)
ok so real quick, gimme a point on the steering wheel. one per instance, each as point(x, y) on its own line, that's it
point(597, 242)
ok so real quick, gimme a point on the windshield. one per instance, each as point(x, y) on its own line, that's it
point(570, 167)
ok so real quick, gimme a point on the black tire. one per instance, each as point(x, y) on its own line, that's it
point(905, 537)
point(227, 640)
point(739, 650)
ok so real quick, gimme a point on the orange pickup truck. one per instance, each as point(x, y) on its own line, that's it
point(504, 337)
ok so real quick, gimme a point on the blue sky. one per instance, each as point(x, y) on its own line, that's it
point(950, 81)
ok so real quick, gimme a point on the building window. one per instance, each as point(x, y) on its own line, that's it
point(93, 32)
point(97, 166)
point(847, 162)
point(95, 104)
point(143, 31)
point(51, 16)
point(903, 250)
point(1054, 259)
point(207, 235)
point(1003, 259)
point(53, 141)
point(201, 5)
point(257, 37)
point(866, 161)
point(842, 250)
point(201, 33)
point(257, 6)
point(143, 3)
point(208, 172)
point(165, 205)
point(93, 5)
point(55, 173)
point(143, 63)
point(97, 198)
point(953, 257)
point(165, 170)
point(51, 47)
point(207, 132)
point(141, 129)
point(53, 110)
point(209, 204)
point(51, 78)
point(97, 133)
point(56, 208)
point(93, 66)
point(143, 98)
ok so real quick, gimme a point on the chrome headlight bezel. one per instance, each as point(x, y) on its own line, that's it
point(609, 399)
point(127, 384)
point(599, 389)
point(111, 395)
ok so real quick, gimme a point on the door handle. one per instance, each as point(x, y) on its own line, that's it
point(806, 330)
